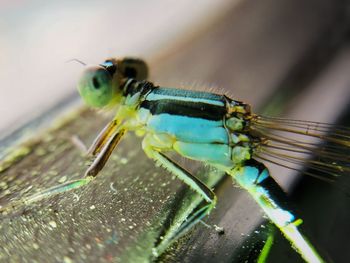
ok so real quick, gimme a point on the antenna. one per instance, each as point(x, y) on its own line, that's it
point(76, 60)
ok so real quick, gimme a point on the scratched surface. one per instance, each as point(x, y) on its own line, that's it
point(120, 216)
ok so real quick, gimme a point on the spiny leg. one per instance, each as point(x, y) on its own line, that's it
point(197, 185)
point(90, 174)
point(255, 178)
point(61, 188)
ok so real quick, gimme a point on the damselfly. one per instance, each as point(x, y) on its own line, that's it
point(210, 128)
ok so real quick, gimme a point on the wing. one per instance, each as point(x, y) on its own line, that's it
point(297, 144)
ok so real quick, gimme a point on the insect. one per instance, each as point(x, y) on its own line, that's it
point(210, 128)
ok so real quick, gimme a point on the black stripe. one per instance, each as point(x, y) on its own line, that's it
point(134, 87)
point(188, 94)
point(278, 195)
point(185, 108)
point(254, 163)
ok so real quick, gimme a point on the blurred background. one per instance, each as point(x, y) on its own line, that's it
point(39, 37)
point(287, 58)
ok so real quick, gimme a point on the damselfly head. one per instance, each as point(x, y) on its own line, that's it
point(102, 86)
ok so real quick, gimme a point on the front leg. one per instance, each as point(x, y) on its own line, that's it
point(103, 137)
point(117, 125)
point(255, 178)
point(105, 149)
point(105, 152)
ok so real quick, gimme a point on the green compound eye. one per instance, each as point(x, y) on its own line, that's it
point(95, 87)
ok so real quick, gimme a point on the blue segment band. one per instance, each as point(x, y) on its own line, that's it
point(187, 129)
point(219, 154)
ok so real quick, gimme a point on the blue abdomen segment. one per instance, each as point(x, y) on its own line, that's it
point(215, 154)
point(187, 129)
point(255, 178)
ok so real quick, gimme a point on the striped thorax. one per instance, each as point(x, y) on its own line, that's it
point(198, 125)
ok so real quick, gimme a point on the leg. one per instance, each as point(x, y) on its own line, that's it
point(99, 162)
point(198, 186)
point(254, 177)
point(103, 137)
point(104, 153)
point(70, 185)
point(264, 253)
point(100, 139)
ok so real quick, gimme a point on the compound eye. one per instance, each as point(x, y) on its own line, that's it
point(95, 87)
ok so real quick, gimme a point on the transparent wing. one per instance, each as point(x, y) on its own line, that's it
point(297, 144)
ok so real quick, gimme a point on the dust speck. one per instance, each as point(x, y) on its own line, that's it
point(67, 260)
point(62, 179)
point(53, 224)
point(123, 161)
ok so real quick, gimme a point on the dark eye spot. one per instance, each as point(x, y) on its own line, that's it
point(130, 72)
point(96, 83)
